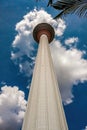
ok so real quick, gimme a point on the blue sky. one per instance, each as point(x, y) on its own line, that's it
point(17, 57)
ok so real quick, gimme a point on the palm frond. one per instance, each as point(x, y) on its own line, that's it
point(59, 5)
point(78, 7)
point(49, 2)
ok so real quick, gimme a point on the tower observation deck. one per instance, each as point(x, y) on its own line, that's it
point(44, 108)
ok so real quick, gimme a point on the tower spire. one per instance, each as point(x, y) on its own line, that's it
point(44, 109)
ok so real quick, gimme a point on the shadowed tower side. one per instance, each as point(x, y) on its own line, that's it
point(44, 109)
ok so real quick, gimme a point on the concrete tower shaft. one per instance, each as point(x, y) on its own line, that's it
point(44, 108)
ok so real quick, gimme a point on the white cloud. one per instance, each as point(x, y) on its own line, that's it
point(85, 128)
point(70, 67)
point(71, 40)
point(24, 42)
point(12, 108)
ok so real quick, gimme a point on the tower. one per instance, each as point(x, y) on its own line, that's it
point(44, 108)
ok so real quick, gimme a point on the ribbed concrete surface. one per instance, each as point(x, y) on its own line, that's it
point(44, 108)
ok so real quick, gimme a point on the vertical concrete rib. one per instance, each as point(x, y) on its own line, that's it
point(44, 108)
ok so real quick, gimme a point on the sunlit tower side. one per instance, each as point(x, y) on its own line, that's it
point(44, 109)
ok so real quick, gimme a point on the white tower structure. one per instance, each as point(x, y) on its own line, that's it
point(44, 108)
